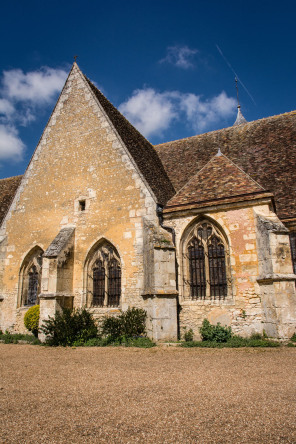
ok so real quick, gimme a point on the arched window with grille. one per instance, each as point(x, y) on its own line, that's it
point(205, 263)
point(293, 249)
point(103, 276)
point(30, 277)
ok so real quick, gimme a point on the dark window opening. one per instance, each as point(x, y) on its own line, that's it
point(114, 283)
point(293, 249)
point(207, 269)
point(98, 285)
point(217, 269)
point(33, 286)
point(197, 270)
point(82, 205)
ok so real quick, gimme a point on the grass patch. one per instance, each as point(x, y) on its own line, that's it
point(14, 338)
point(141, 342)
point(234, 342)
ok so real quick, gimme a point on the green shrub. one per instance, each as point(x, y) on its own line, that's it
point(216, 333)
point(293, 338)
point(188, 335)
point(134, 322)
point(112, 328)
point(69, 327)
point(129, 324)
point(31, 319)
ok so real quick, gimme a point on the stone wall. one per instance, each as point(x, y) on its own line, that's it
point(245, 307)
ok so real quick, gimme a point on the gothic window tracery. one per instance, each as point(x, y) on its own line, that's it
point(104, 278)
point(205, 268)
point(30, 277)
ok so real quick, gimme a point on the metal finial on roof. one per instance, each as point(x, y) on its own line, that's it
point(239, 118)
point(238, 105)
point(75, 57)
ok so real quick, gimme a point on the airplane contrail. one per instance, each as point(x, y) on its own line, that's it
point(229, 65)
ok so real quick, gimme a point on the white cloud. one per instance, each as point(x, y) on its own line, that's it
point(11, 146)
point(180, 56)
point(153, 112)
point(22, 96)
point(37, 87)
point(6, 108)
point(203, 113)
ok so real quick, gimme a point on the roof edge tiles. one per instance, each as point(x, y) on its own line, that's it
point(142, 151)
point(219, 179)
point(8, 188)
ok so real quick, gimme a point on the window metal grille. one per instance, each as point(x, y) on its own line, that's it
point(98, 284)
point(207, 266)
point(217, 269)
point(197, 270)
point(293, 249)
point(114, 283)
point(33, 286)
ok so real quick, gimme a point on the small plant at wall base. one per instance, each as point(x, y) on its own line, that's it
point(216, 333)
point(188, 335)
point(31, 319)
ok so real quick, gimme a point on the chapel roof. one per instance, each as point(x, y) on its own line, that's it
point(8, 189)
point(143, 153)
point(264, 149)
point(219, 180)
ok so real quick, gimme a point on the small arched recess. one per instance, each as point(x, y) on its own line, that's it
point(206, 273)
point(103, 276)
point(30, 277)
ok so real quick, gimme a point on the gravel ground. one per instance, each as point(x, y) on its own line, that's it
point(160, 395)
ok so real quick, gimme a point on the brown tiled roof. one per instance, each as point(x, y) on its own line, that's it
point(8, 189)
point(265, 149)
point(218, 179)
point(140, 149)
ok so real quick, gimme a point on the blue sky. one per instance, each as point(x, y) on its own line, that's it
point(168, 65)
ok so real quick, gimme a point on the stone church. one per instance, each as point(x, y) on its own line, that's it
point(203, 227)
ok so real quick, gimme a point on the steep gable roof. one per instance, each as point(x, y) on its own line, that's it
point(8, 189)
point(218, 180)
point(265, 149)
point(143, 153)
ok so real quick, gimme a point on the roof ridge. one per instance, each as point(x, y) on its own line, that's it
point(227, 128)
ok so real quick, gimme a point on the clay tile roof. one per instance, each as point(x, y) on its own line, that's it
point(218, 179)
point(265, 149)
point(143, 153)
point(8, 189)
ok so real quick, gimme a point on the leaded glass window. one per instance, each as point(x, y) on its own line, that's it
point(104, 277)
point(98, 284)
point(206, 264)
point(30, 277)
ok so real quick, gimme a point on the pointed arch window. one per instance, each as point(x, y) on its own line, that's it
point(293, 249)
point(104, 277)
point(206, 263)
point(30, 277)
